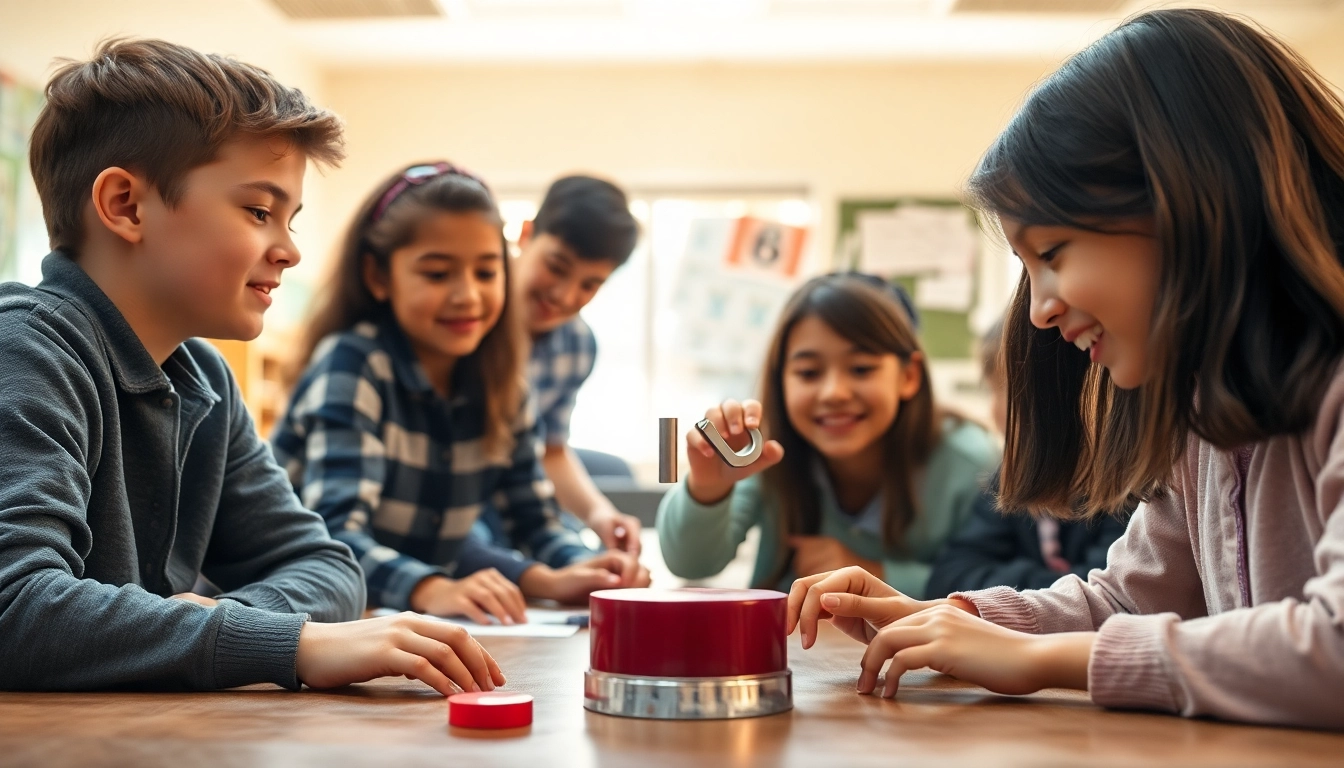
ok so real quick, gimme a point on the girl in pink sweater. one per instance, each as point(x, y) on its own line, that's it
point(1176, 195)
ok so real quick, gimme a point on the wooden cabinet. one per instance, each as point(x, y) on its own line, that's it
point(257, 366)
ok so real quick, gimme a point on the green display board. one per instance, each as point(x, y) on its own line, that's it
point(946, 334)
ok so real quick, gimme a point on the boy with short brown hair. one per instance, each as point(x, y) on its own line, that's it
point(128, 464)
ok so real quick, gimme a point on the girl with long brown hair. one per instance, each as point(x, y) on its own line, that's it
point(861, 466)
point(410, 414)
point(1176, 195)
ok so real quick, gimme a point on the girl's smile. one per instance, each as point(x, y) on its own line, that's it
point(1087, 340)
point(462, 325)
point(838, 425)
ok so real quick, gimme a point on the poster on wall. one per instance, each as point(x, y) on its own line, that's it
point(733, 280)
point(765, 248)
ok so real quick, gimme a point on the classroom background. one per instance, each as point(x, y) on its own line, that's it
point(761, 141)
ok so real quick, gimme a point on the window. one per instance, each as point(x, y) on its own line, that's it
point(644, 370)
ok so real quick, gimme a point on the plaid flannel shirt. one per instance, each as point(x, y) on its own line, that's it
point(400, 474)
point(562, 359)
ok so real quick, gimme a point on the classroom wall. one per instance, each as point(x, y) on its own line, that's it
point(33, 33)
point(837, 130)
point(1325, 51)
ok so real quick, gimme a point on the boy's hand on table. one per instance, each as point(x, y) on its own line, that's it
point(440, 654)
point(618, 531)
point(479, 596)
point(855, 601)
point(573, 583)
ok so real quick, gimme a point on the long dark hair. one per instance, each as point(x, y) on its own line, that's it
point(875, 321)
point(346, 299)
point(1234, 147)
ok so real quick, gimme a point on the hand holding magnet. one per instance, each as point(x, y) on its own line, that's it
point(743, 458)
point(752, 458)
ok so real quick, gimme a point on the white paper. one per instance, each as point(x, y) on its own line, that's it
point(516, 630)
point(949, 292)
point(916, 239)
point(541, 622)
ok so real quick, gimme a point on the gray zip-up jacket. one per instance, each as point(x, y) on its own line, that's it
point(120, 482)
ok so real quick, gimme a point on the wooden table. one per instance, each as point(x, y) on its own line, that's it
point(935, 720)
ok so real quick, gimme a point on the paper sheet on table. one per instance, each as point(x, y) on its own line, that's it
point(541, 622)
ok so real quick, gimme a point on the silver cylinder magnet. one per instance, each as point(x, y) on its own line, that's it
point(667, 450)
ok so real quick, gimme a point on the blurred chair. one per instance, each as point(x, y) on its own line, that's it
point(601, 464)
point(613, 477)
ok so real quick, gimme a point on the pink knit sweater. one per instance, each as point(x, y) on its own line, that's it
point(1224, 599)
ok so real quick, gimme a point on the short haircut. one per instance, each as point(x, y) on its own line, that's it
point(591, 216)
point(161, 110)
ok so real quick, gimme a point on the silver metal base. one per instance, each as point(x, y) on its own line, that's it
point(688, 698)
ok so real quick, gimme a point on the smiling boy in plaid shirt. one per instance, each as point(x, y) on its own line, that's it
point(581, 234)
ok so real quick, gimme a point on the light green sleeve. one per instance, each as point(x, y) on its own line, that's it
point(909, 577)
point(964, 460)
point(697, 540)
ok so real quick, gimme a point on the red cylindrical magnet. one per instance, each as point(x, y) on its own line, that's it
point(493, 709)
point(688, 632)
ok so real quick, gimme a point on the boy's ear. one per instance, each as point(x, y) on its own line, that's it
point(912, 376)
point(374, 277)
point(525, 236)
point(118, 196)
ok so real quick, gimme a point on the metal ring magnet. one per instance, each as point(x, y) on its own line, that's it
point(742, 458)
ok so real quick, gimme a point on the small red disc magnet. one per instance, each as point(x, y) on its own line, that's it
point(493, 709)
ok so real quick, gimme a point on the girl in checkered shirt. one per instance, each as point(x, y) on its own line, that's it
point(410, 415)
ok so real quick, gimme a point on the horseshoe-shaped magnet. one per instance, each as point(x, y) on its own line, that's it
point(742, 458)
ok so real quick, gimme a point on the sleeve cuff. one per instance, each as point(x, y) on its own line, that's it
point(691, 508)
point(1003, 606)
point(1126, 670)
point(514, 567)
point(257, 646)
point(395, 593)
point(564, 551)
point(476, 556)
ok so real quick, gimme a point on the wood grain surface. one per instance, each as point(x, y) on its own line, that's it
point(934, 721)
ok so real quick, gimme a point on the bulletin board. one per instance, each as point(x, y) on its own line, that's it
point(940, 268)
point(19, 212)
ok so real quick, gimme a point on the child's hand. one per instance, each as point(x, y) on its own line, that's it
point(617, 531)
point(192, 597)
point(855, 601)
point(440, 654)
point(818, 554)
point(711, 479)
point(479, 596)
point(572, 584)
point(954, 642)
